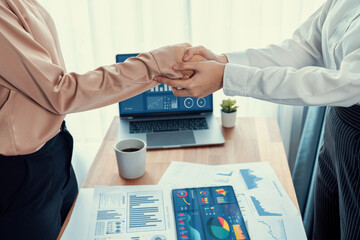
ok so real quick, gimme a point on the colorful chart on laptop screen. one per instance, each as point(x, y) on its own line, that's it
point(161, 99)
point(208, 213)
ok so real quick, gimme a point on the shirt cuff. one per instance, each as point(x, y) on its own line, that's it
point(236, 79)
point(238, 58)
point(165, 58)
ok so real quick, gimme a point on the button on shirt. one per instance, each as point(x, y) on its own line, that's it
point(319, 65)
point(36, 91)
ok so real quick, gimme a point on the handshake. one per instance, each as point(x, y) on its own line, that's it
point(202, 71)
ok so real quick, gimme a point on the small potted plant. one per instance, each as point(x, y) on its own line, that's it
point(228, 113)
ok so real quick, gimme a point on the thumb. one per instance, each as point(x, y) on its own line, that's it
point(186, 66)
point(188, 54)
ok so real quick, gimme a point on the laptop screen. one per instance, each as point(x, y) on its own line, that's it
point(161, 100)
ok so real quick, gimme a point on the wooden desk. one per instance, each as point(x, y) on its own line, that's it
point(252, 140)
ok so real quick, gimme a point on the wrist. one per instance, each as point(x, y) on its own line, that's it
point(221, 74)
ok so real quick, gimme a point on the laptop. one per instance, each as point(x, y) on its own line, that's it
point(163, 120)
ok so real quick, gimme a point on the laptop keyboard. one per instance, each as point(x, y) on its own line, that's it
point(168, 125)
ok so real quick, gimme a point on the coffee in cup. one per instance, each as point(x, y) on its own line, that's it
point(131, 157)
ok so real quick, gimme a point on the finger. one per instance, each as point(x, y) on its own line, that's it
point(186, 66)
point(198, 50)
point(181, 92)
point(187, 73)
point(190, 52)
point(171, 82)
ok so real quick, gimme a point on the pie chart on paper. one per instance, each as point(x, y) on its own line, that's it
point(218, 228)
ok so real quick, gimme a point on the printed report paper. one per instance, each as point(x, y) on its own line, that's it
point(268, 211)
point(132, 213)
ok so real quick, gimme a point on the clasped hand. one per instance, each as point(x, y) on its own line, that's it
point(207, 71)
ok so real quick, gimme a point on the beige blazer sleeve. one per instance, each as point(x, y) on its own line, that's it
point(27, 67)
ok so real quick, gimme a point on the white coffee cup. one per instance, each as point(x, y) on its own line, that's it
point(131, 157)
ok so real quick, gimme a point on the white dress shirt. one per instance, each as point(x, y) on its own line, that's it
point(319, 65)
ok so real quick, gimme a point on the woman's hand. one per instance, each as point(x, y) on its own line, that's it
point(207, 79)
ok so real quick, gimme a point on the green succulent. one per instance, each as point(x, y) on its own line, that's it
point(228, 105)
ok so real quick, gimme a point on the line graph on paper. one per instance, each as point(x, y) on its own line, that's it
point(262, 211)
point(270, 229)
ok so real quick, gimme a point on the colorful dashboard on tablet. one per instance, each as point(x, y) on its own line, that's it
point(208, 213)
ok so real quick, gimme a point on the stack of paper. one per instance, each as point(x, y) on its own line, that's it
point(268, 211)
point(146, 212)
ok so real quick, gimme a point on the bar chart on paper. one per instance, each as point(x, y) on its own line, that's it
point(146, 211)
point(108, 215)
point(250, 178)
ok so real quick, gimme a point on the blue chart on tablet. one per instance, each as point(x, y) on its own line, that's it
point(208, 213)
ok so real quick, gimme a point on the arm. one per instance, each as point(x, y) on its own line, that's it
point(303, 49)
point(295, 85)
point(286, 85)
point(27, 68)
point(305, 86)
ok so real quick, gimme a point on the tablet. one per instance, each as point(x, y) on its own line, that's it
point(208, 213)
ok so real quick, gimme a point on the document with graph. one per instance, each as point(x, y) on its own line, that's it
point(267, 210)
point(131, 213)
point(160, 213)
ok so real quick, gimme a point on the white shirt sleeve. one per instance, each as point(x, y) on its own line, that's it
point(292, 72)
point(306, 86)
point(303, 49)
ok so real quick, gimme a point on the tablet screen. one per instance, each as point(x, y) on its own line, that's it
point(208, 213)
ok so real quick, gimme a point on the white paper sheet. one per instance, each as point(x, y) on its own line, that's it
point(78, 225)
point(267, 209)
point(132, 212)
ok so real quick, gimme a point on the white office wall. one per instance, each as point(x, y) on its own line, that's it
point(91, 32)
